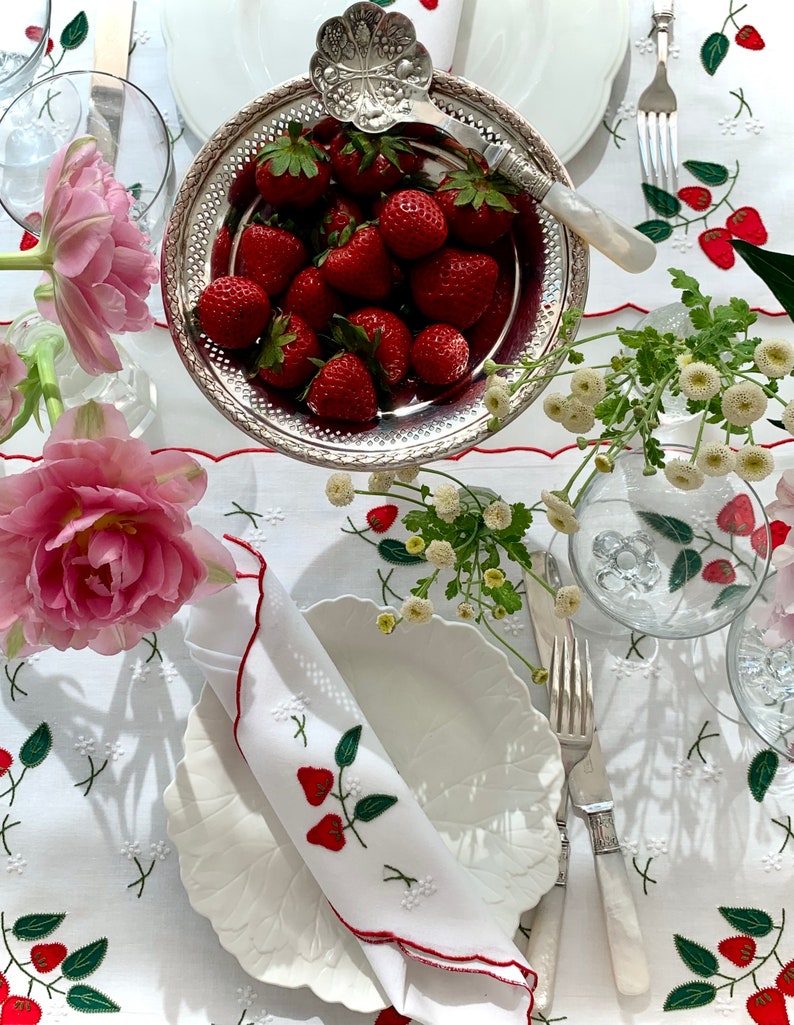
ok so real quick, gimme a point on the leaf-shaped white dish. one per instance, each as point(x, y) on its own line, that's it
point(462, 731)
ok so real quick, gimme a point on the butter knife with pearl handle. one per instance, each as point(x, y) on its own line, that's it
point(544, 938)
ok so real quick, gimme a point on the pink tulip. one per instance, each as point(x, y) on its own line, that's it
point(98, 269)
point(96, 545)
point(12, 373)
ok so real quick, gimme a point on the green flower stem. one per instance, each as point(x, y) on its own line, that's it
point(699, 438)
point(44, 352)
point(532, 668)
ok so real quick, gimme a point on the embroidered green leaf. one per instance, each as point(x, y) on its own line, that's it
point(664, 203)
point(776, 270)
point(690, 995)
point(706, 172)
point(36, 927)
point(75, 32)
point(347, 748)
point(656, 231)
point(712, 52)
point(89, 1000)
point(368, 808)
point(395, 552)
point(761, 772)
point(750, 921)
point(668, 526)
point(687, 565)
point(36, 747)
point(85, 960)
point(699, 960)
point(731, 593)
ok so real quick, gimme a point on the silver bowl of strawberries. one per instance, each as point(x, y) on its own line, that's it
point(336, 293)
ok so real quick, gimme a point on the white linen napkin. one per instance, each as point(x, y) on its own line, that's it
point(436, 23)
point(442, 961)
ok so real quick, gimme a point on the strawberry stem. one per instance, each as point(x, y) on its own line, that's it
point(50, 987)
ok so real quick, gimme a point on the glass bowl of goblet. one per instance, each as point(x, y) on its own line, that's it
point(24, 33)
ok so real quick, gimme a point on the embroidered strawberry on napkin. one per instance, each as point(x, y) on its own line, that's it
point(436, 23)
point(441, 962)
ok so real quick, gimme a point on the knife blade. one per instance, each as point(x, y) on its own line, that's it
point(591, 793)
point(544, 939)
point(113, 33)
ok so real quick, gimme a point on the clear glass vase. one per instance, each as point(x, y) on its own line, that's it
point(130, 389)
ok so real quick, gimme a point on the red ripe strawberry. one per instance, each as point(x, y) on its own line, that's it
point(737, 516)
point(316, 783)
point(28, 241)
point(46, 956)
point(288, 348)
point(454, 286)
point(340, 218)
point(270, 256)
point(412, 224)
point(696, 196)
point(391, 338)
point(221, 253)
point(243, 191)
point(293, 170)
point(739, 950)
point(381, 517)
point(367, 165)
point(785, 979)
point(390, 1016)
point(476, 204)
point(329, 832)
point(746, 223)
point(750, 38)
point(6, 758)
point(768, 1007)
point(343, 390)
point(440, 354)
point(719, 571)
point(19, 1011)
point(361, 267)
point(4, 987)
point(483, 335)
point(312, 298)
point(714, 243)
point(759, 539)
point(233, 311)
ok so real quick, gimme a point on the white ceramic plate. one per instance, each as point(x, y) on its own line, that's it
point(460, 727)
point(553, 60)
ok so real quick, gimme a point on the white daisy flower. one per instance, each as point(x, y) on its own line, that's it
point(577, 417)
point(441, 554)
point(466, 610)
point(386, 622)
point(497, 402)
point(339, 489)
point(554, 406)
point(498, 515)
point(774, 357)
point(715, 459)
point(493, 578)
point(408, 474)
point(754, 463)
point(699, 381)
point(381, 480)
point(588, 385)
point(417, 610)
point(788, 418)
point(446, 499)
point(684, 475)
point(567, 601)
point(560, 514)
point(743, 403)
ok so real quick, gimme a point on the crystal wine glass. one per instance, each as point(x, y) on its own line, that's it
point(24, 32)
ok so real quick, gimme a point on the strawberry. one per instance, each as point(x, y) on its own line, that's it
point(737, 516)
point(288, 348)
point(293, 170)
point(329, 832)
point(454, 286)
point(486, 331)
point(412, 224)
point(243, 191)
point(367, 165)
point(361, 267)
point(6, 758)
point(785, 979)
point(340, 218)
point(221, 253)
point(714, 243)
point(739, 950)
point(750, 38)
point(46, 956)
point(270, 256)
point(312, 298)
point(746, 223)
point(316, 783)
point(19, 1011)
point(28, 241)
point(343, 389)
point(381, 517)
point(719, 571)
point(696, 196)
point(440, 354)
point(768, 1007)
point(233, 311)
point(759, 539)
point(390, 1016)
point(476, 205)
point(390, 337)
point(5, 989)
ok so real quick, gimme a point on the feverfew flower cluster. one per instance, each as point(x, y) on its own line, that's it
point(460, 537)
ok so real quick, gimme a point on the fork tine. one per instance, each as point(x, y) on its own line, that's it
point(588, 717)
point(653, 141)
point(672, 120)
point(554, 686)
point(642, 136)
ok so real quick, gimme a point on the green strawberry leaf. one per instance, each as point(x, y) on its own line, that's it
point(668, 526)
point(36, 747)
point(89, 1000)
point(687, 565)
point(750, 921)
point(712, 52)
point(699, 960)
point(85, 960)
point(689, 996)
point(347, 748)
point(706, 172)
point(729, 594)
point(395, 552)
point(75, 32)
point(368, 808)
point(36, 927)
point(664, 203)
point(776, 270)
point(656, 231)
point(761, 773)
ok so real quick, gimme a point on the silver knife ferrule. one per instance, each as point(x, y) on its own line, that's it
point(601, 826)
point(565, 853)
point(518, 169)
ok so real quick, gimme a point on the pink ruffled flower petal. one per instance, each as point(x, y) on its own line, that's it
point(12, 373)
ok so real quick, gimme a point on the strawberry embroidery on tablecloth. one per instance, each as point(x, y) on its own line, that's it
point(766, 1004)
point(743, 222)
point(716, 46)
point(317, 784)
point(32, 753)
point(31, 966)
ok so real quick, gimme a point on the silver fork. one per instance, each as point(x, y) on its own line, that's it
point(571, 701)
point(657, 111)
